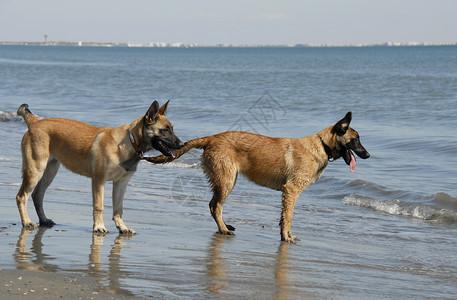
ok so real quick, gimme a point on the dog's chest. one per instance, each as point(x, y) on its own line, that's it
point(130, 165)
point(126, 168)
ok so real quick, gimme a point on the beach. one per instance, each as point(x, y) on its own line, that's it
point(388, 230)
point(17, 284)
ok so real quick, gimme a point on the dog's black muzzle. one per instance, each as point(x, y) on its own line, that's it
point(348, 156)
point(358, 149)
point(167, 145)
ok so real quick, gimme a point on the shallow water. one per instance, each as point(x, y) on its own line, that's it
point(387, 230)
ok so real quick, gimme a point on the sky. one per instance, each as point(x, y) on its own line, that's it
point(212, 22)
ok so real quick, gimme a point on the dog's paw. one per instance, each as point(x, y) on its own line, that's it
point(127, 231)
point(290, 239)
point(47, 223)
point(100, 229)
point(227, 232)
point(30, 225)
point(294, 239)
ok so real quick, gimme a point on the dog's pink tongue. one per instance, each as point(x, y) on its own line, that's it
point(353, 162)
point(173, 154)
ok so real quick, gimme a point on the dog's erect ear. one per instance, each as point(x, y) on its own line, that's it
point(151, 115)
point(163, 109)
point(342, 125)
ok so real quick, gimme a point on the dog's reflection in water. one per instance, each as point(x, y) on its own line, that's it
point(108, 274)
point(222, 275)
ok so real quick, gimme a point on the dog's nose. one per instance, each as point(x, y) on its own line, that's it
point(180, 145)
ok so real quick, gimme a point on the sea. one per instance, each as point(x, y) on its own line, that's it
point(388, 230)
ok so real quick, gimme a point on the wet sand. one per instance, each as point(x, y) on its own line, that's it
point(175, 260)
point(21, 284)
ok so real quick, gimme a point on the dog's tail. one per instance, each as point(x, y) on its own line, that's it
point(199, 143)
point(24, 112)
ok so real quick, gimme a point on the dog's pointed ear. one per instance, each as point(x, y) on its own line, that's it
point(163, 109)
point(342, 125)
point(151, 115)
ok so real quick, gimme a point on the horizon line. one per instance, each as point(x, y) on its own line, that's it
point(220, 45)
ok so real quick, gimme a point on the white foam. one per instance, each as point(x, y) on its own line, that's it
point(397, 207)
point(69, 189)
point(10, 184)
point(6, 159)
point(387, 206)
point(180, 164)
point(6, 116)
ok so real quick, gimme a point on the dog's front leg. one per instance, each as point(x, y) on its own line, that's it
point(119, 188)
point(289, 197)
point(98, 188)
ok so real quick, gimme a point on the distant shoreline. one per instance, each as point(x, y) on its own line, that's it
point(190, 45)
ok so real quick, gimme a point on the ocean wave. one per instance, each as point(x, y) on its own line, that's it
point(420, 211)
point(10, 184)
point(6, 159)
point(7, 116)
point(69, 189)
point(444, 200)
point(377, 191)
point(181, 164)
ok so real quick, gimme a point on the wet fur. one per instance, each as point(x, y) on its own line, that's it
point(283, 164)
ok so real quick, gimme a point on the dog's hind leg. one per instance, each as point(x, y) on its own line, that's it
point(222, 180)
point(34, 160)
point(38, 193)
point(119, 188)
point(22, 198)
point(215, 206)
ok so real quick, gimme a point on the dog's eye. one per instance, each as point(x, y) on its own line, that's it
point(166, 129)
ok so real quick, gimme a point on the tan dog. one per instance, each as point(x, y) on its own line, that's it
point(283, 164)
point(101, 153)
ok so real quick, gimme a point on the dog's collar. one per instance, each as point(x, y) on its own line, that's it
point(138, 151)
point(327, 150)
